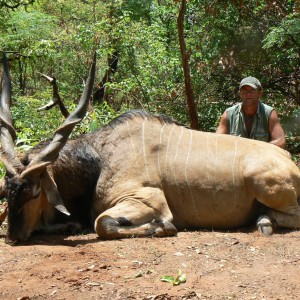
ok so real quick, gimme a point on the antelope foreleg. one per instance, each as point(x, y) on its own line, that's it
point(137, 217)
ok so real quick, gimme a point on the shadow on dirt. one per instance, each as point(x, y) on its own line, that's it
point(58, 239)
point(62, 240)
point(90, 237)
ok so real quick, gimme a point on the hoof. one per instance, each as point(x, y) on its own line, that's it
point(169, 228)
point(265, 225)
point(164, 229)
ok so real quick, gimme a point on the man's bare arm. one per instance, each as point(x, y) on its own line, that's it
point(222, 128)
point(276, 131)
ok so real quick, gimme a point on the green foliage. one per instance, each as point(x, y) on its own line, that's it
point(149, 65)
point(226, 40)
point(291, 125)
point(33, 126)
point(31, 34)
point(284, 42)
point(96, 118)
point(210, 114)
point(30, 124)
point(286, 34)
point(2, 170)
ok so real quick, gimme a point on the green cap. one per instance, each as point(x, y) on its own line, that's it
point(251, 81)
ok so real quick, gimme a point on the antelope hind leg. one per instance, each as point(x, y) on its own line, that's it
point(289, 218)
point(282, 203)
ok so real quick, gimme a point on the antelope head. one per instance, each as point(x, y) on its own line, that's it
point(28, 187)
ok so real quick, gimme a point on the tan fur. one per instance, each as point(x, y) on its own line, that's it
point(32, 213)
point(197, 179)
point(157, 177)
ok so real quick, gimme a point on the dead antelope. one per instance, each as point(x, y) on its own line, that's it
point(145, 175)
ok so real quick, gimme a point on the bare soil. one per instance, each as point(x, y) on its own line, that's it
point(217, 265)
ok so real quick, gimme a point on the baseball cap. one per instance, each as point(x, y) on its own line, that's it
point(251, 81)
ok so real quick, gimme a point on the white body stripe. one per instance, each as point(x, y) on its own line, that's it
point(233, 168)
point(158, 153)
point(144, 150)
point(175, 158)
point(186, 169)
point(131, 139)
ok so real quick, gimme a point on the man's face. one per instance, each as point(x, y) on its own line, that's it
point(249, 95)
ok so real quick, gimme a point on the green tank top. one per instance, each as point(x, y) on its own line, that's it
point(260, 128)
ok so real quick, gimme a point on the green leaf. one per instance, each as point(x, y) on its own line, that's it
point(94, 125)
point(181, 278)
point(167, 278)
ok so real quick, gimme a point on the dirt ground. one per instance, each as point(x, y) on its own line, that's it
point(217, 265)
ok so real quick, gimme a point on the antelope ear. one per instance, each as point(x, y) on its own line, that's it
point(52, 192)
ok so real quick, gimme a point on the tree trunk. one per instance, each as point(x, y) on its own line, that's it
point(185, 58)
point(112, 62)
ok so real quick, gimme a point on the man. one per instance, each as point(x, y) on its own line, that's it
point(252, 118)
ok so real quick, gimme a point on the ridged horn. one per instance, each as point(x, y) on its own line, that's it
point(8, 135)
point(61, 135)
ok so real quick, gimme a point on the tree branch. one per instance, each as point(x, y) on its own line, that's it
point(56, 98)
